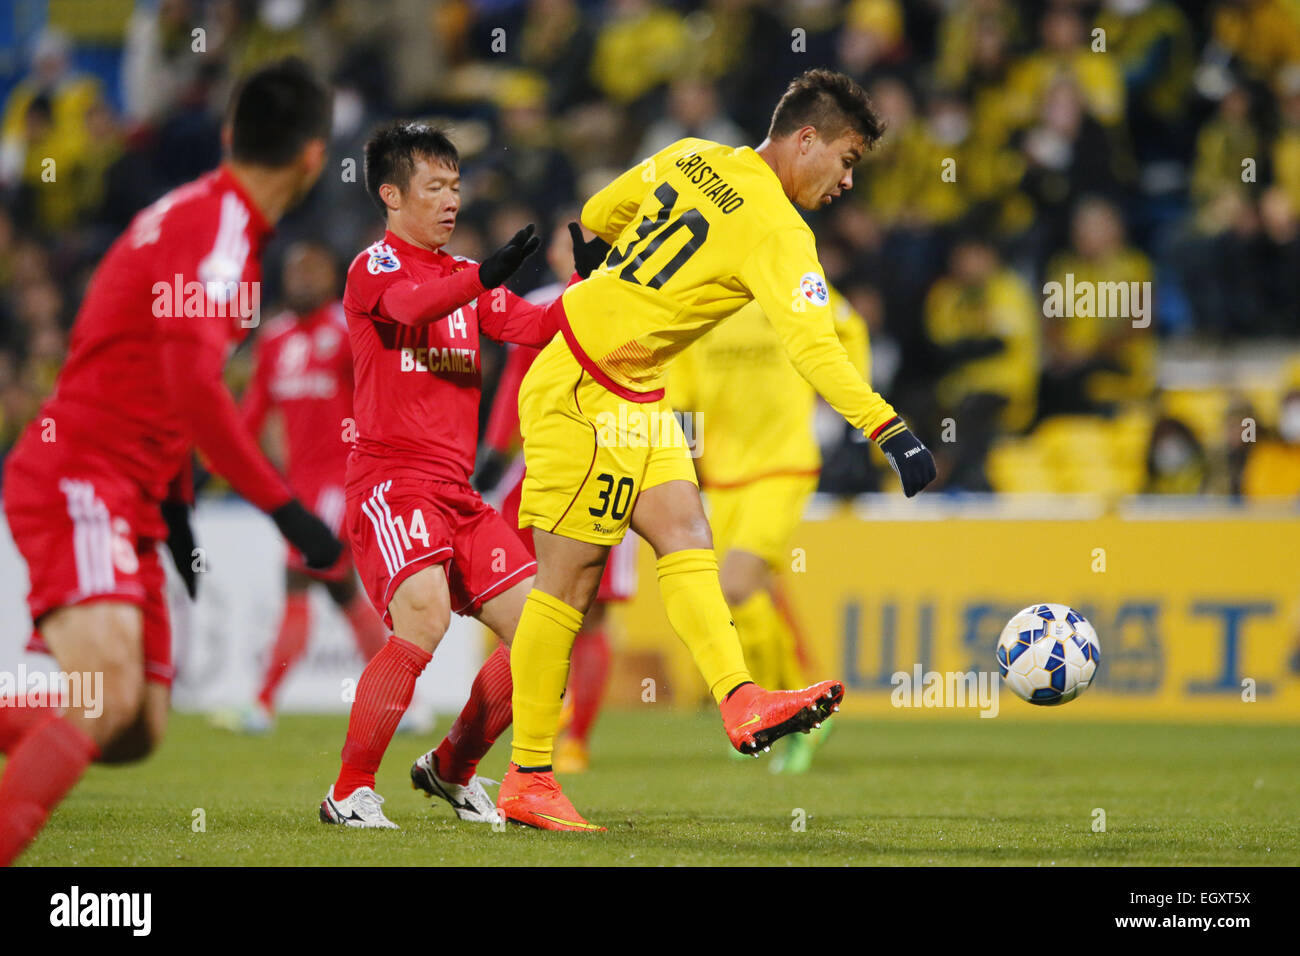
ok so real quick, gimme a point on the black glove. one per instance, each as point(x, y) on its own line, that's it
point(587, 256)
point(490, 469)
point(501, 265)
point(180, 542)
point(911, 460)
point(302, 529)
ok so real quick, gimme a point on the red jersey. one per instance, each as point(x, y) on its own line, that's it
point(302, 367)
point(414, 317)
point(142, 383)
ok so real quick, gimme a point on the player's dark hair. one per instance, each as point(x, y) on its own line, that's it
point(278, 110)
point(829, 102)
point(393, 150)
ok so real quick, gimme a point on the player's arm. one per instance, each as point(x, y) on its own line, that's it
point(192, 359)
point(418, 304)
point(775, 273)
point(506, 317)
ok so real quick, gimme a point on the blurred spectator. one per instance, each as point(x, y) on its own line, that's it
point(159, 60)
point(1066, 53)
point(1261, 35)
point(1097, 352)
point(692, 110)
point(1222, 145)
point(639, 47)
point(1176, 462)
point(1273, 465)
point(984, 323)
point(1153, 43)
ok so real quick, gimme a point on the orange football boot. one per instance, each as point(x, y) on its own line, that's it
point(535, 800)
point(756, 718)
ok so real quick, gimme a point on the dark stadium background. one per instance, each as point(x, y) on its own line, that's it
point(1126, 165)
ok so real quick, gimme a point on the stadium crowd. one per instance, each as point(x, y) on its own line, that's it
point(1133, 141)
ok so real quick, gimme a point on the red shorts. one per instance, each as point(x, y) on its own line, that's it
point(330, 506)
point(402, 525)
point(617, 583)
point(90, 537)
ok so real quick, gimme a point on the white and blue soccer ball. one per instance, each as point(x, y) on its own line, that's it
point(1048, 654)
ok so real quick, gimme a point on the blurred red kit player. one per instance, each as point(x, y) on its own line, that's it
point(86, 485)
point(302, 372)
point(424, 542)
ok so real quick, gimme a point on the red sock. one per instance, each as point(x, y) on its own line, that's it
point(16, 721)
point(588, 669)
point(367, 629)
point(42, 767)
point(289, 645)
point(383, 694)
point(484, 717)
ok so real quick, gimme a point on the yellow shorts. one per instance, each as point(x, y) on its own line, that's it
point(588, 452)
point(760, 516)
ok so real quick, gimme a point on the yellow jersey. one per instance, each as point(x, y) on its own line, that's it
point(698, 231)
point(755, 411)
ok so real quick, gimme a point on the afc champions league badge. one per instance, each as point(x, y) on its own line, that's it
point(382, 259)
point(813, 288)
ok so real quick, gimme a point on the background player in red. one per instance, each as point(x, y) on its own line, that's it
point(141, 388)
point(424, 542)
point(589, 664)
point(302, 373)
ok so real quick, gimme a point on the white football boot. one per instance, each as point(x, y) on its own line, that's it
point(471, 801)
point(361, 809)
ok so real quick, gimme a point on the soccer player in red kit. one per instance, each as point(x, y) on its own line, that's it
point(589, 665)
point(424, 542)
point(141, 388)
point(302, 371)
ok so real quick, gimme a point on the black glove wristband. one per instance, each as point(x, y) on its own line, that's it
point(180, 542)
point(302, 529)
point(587, 254)
point(501, 265)
point(910, 459)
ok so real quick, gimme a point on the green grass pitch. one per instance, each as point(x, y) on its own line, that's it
point(945, 792)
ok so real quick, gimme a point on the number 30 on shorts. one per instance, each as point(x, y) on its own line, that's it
point(615, 498)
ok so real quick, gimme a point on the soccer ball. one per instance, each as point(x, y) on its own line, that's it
point(1048, 654)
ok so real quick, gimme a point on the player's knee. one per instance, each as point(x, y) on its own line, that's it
point(736, 589)
point(421, 609)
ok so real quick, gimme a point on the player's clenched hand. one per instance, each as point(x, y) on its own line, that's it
point(910, 459)
point(180, 542)
point(302, 529)
point(587, 255)
point(501, 265)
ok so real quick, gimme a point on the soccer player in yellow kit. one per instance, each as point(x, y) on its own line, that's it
point(758, 463)
point(683, 240)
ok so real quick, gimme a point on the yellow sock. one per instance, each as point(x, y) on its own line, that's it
point(688, 581)
point(758, 623)
point(539, 666)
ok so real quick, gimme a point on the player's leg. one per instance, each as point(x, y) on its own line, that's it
point(100, 638)
point(670, 516)
point(289, 647)
point(449, 771)
point(744, 577)
point(420, 611)
point(588, 672)
point(401, 539)
point(367, 628)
